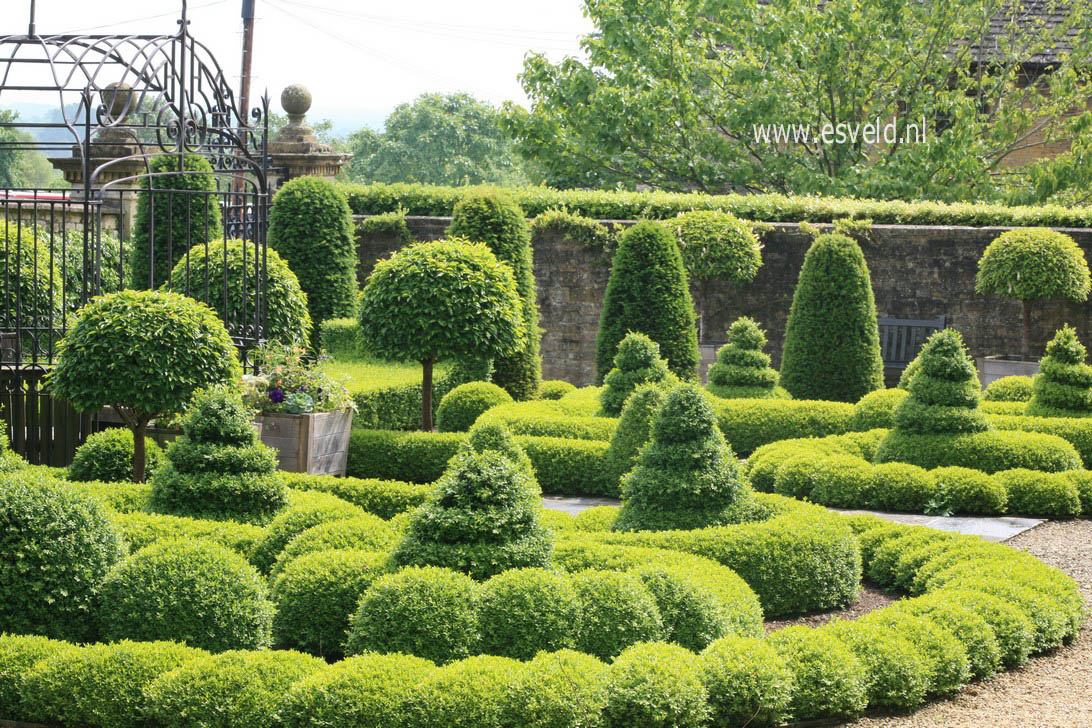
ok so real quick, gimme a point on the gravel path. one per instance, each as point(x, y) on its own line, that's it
point(1053, 691)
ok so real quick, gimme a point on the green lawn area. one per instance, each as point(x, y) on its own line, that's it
point(365, 375)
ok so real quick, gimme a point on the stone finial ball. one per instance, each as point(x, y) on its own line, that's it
point(117, 97)
point(296, 99)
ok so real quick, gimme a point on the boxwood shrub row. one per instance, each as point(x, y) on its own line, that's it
point(837, 471)
point(548, 419)
point(973, 608)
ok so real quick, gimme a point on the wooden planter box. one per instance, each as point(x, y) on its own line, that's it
point(316, 443)
point(992, 368)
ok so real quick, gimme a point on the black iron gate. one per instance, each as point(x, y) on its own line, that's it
point(157, 160)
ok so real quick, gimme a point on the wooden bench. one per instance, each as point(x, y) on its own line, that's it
point(902, 339)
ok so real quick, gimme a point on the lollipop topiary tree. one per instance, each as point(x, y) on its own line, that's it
point(742, 370)
point(1032, 264)
point(687, 477)
point(637, 362)
point(448, 298)
point(832, 340)
point(1064, 386)
point(144, 353)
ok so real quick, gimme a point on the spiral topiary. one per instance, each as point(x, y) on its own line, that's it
point(218, 468)
point(636, 362)
point(1063, 388)
point(107, 456)
point(634, 429)
point(945, 393)
point(742, 369)
point(688, 476)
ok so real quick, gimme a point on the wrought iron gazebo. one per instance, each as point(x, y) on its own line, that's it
point(130, 114)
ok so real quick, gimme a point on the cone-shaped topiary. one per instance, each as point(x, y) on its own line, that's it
point(218, 469)
point(742, 370)
point(637, 362)
point(494, 218)
point(1064, 386)
point(495, 436)
point(832, 341)
point(945, 392)
point(648, 292)
point(634, 429)
point(482, 518)
point(687, 477)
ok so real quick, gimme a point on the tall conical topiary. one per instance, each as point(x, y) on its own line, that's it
point(944, 394)
point(494, 218)
point(647, 292)
point(832, 341)
point(634, 429)
point(637, 362)
point(1063, 388)
point(482, 518)
point(742, 370)
point(687, 477)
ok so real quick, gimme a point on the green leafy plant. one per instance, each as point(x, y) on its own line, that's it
point(495, 219)
point(304, 511)
point(177, 208)
point(1032, 264)
point(634, 429)
point(617, 610)
point(555, 389)
point(1009, 389)
point(636, 362)
point(444, 299)
point(144, 353)
point(311, 227)
point(944, 395)
point(647, 292)
point(656, 685)
point(224, 274)
point(742, 370)
point(460, 407)
point(526, 611)
point(748, 682)
point(107, 456)
point(832, 342)
point(829, 679)
point(1063, 388)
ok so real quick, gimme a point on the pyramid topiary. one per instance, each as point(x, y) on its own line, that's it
point(1064, 386)
point(832, 341)
point(636, 362)
point(634, 429)
point(483, 516)
point(647, 292)
point(945, 392)
point(218, 469)
point(742, 369)
point(687, 477)
point(497, 437)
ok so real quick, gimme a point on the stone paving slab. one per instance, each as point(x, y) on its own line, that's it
point(992, 529)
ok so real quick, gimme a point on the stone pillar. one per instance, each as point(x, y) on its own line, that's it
point(295, 151)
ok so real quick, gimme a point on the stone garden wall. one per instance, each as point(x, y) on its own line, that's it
point(917, 272)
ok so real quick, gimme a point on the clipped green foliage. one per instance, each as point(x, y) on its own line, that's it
point(1014, 632)
point(971, 629)
point(341, 339)
point(634, 429)
point(988, 452)
point(492, 436)
point(748, 424)
point(301, 515)
point(1082, 481)
point(899, 487)
point(748, 682)
point(896, 675)
point(877, 409)
point(564, 689)
point(9, 460)
point(966, 491)
point(145, 353)
point(493, 218)
point(311, 227)
point(177, 208)
point(32, 282)
point(367, 691)
point(1063, 388)
point(1033, 493)
point(555, 389)
point(56, 547)
point(482, 518)
point(19, 654)
point(227, 690)
point(617, 610)
point(315, 596)
point(832, 342)
point(107, 457)
point(424, 611)
point(462, 406)
point(361, 533)
point(830, 682)
point(224, 274)
point(525, 611)
point(637, 362)
point(948, 667)
point(687, 477)
point(656, 685)
point(102, 684)
point(383, 498)
point(742, 370)
point(647, 292)
point(218, 468)
point(143, 529)
point(1009, 389)
point(470, 693)
point(195, 592)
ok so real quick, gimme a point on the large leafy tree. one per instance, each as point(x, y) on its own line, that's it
point(440, 139)
point(671, 92)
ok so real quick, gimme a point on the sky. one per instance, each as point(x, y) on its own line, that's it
point(359, 58)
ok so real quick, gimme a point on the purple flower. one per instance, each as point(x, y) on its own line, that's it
point(277, 395)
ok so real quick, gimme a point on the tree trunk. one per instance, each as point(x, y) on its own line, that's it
point(1027, 331)
point(426, 396)
point(138, 450)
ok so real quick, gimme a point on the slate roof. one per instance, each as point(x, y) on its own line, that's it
point(1030, 13)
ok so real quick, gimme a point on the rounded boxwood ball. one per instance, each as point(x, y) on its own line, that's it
point(1009, 389)
point(56, 547)
point(108, 456)
point(198, 592)
point(425, 611)
point(829, 679)
point(564, 689)
point(470, 693)
point(462, 406)
point(656, 685)
point(525, 611)
point(618, 611)
point(748, 682)
point(555, 389)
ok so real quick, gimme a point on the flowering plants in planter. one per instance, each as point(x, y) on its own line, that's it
point(287, 381)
